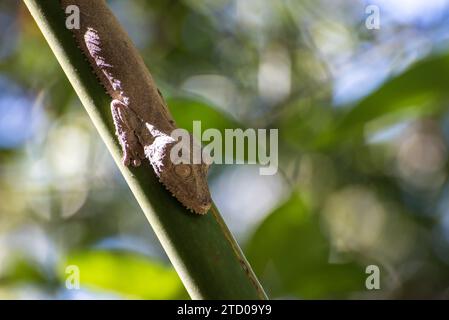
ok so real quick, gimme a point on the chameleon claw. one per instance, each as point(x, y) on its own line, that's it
point(130, 160)
point(126, 160)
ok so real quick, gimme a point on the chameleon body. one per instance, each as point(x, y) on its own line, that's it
point(141, 118)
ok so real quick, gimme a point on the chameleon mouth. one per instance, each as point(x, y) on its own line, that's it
point(204, 207)
point(198, 206)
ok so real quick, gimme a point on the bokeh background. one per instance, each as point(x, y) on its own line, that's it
point(363, 147)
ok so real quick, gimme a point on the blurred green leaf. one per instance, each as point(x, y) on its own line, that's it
point(128, 274)
point(185, 110)
point(422, 83)
point(21, 270)
point(420, 90)
point(291, 256)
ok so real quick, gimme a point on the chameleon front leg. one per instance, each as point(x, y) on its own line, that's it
point(126, 122)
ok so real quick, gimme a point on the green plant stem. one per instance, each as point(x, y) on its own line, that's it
point(201, 248)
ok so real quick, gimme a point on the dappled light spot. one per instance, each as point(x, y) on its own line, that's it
point(274, 76)
point(253, 196)
point(421, 156)
point(355, 219)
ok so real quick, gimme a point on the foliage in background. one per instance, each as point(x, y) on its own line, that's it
point(363, 123)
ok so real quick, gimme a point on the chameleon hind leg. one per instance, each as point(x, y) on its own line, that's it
point(126, 121)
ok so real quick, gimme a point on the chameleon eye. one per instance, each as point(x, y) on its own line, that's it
point(183, 170)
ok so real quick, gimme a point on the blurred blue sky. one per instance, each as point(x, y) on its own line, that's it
point(18, 118)
point(409, 30)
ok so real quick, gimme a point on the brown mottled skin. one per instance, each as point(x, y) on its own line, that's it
point(142, 120)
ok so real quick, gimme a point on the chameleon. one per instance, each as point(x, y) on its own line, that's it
point(140, 115)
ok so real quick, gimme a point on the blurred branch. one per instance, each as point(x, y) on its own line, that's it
point(201, 248)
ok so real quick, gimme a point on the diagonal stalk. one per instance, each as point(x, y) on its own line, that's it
point(201, 248)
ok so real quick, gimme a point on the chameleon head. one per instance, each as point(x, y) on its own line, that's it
point(191, 189)
point(186, 182)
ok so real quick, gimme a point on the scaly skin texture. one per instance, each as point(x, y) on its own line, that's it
point(142, 120)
